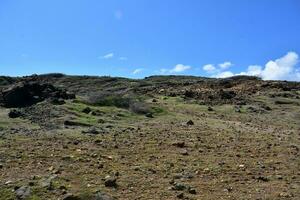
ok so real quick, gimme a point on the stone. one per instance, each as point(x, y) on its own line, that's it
point(57, 101)
point(190, 123)
point(180, 195)
point(23, 192)
point(71, 196)
point(110, 181)
point(103, 196)
point(179, 186)
point(48, 183)
point(87, 110)
point(192, 191)
point(184, 152)
point(29, 92)
point(14, 113)
point(74, 123)
point(149, 115)
point(262, 178)
point(179, 144)
point(210, 108)
point(91, 130)
point(97, 113)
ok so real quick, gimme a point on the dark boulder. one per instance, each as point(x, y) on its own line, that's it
point(190, 123)
point(14, 113)
point(27, 93)
point(74, 123)
point(87, 110)
point(110, 181)
point(227, 94)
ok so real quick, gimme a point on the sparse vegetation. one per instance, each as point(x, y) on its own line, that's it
point(145, 139)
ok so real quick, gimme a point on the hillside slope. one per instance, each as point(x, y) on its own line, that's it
point(162, 137)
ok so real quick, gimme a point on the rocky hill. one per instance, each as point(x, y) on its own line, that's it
point(162, 137)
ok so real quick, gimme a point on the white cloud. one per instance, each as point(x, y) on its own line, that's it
point(253, 70)
point(107, 56)
point(225, 65)
point(136, 71)
point(123, 58)
point(225, 74)
point(283, 68)
point(212, 69)
point(209, 68)
point(180, 68)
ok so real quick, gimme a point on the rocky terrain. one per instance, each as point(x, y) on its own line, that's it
point(162, 137)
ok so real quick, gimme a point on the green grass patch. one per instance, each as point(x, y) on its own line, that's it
point(6, 194)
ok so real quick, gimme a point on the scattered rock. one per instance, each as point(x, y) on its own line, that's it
point(210, 108)
point(74, 123)
point(57, 101)
point(14, 113)
point(184, 152)
point(91, 130)
point(48, 183)
point(87, 110)
point(27, 93)
point(180, 195)
point(285, 195)
point(263, 178)
point(103, 196)
point(23, 192)
point(101, 121)
point(149, 115)
point(71, 196)
point(179, 144)
point(179, 186)
point(97, 113)
point(190, 123)
point(192, 191)
point(268, 108)
point(110, 181)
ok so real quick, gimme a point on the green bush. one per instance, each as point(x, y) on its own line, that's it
point(105, 99)
point(131, 103)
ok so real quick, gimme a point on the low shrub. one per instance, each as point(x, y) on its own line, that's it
point(105, 99)
point(139, 108)
point(131, 103)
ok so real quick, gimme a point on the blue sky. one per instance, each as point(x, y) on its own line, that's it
point(138, 38)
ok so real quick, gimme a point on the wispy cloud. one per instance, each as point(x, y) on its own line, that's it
point(218, 70)
point(225, 65)
point(225, 74)
point(137, 71)
point(210, 68)
point(123, 58)
point(107, 56)
point(180, 68)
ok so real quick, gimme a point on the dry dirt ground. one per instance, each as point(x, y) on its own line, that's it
point(186, 151)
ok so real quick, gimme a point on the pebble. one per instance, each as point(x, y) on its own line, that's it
point(23, 192)
point(110, 181)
